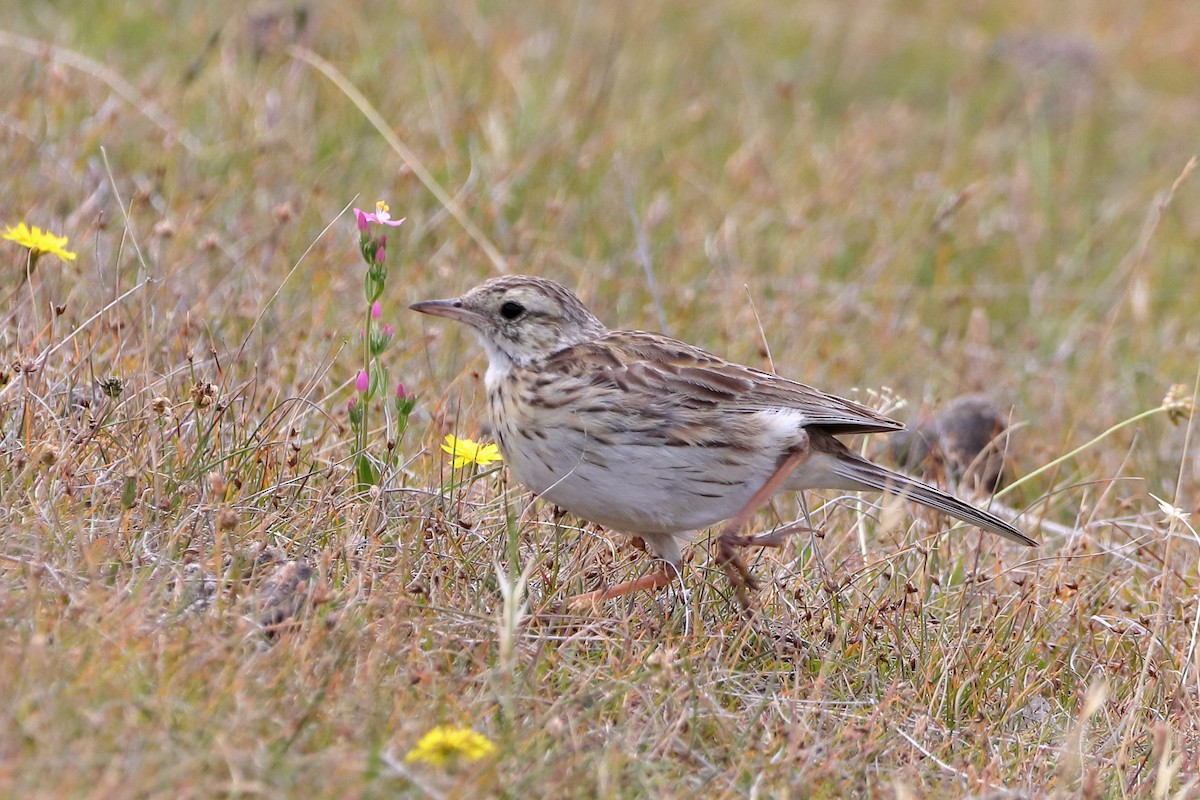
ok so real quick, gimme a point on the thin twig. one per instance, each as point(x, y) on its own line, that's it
point(401, 149)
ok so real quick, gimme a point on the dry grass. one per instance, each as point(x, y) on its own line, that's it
point(931, 198)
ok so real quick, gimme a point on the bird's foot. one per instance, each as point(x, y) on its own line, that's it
point(729, 546)
point(729, 556)
point(777, 537)
point(651, 582)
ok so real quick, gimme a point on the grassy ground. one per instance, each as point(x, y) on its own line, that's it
point(912, 195)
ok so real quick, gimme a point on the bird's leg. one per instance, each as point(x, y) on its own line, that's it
point(777, 537)
point(731, 539)
point(650, 582)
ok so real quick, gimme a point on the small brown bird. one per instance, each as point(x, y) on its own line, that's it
point(965, 444)
point(651, 436)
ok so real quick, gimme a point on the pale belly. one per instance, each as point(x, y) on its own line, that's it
point(639, 489)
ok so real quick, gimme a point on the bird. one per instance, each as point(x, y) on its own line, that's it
point(965, 444)
point(654, 437)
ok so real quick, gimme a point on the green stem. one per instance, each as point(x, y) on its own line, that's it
point(1123, 423)
point(361, 465)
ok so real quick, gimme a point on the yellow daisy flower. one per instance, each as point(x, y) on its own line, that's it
point(444, 744)
point(466, 452)
point(38, 241)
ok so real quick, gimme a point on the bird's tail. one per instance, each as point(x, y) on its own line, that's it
point(865, 475)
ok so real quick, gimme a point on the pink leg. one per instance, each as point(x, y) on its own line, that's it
point(731, 539)
point(651, 582)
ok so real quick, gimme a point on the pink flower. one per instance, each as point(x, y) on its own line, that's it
point(353, 402)
point(405, 402)
point(381, 216)
point(363, 381)
point(381, 254)
point(389, 331)
point(376, 310)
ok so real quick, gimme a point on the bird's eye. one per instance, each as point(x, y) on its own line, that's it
point(511, 310)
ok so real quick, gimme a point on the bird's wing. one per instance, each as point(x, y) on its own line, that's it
point(666, 372)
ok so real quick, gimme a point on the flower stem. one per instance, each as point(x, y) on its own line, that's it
point(1067, 457)
point(362, 466)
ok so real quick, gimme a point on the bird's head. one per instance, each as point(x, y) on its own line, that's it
point(520, 319)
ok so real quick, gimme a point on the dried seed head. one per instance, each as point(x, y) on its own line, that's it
point(203, 394)
point(284, 212)
point(112, 386)
point(1179, 403)
point(227, 519)
point(48, 455)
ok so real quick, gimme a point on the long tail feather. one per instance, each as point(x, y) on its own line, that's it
point(872, 476)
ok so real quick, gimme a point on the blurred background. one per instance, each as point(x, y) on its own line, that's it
point(899, 201)
point(937, 198)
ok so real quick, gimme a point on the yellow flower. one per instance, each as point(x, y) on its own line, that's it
point(444, 743)
point(466, 452)
point(38, 241)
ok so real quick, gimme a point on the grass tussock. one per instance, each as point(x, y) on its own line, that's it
point(920, 200)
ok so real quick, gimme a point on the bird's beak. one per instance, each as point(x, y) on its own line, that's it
point(450, 309)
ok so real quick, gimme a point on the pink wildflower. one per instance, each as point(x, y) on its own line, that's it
point(381, 217)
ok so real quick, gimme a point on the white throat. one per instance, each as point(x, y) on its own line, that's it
point(499, 364)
